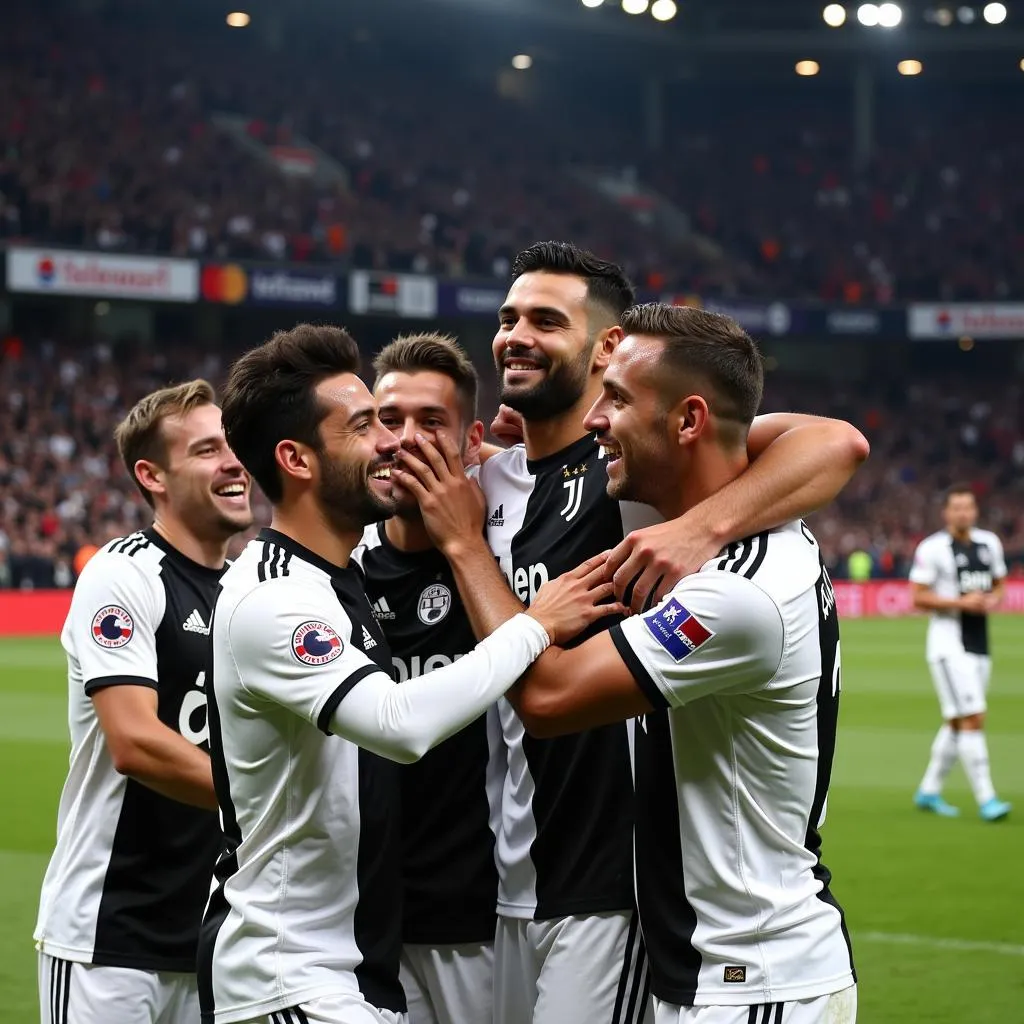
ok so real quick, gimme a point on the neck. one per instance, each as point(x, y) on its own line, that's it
point(408, 534)
point(306, 525)
point(545, 437)
point(963, 536)
point(709, 470)
point(211, 553)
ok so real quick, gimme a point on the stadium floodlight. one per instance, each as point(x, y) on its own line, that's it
point(634, 6)
point(238, 19)
point(889, 15)
point(966, 15)
point(944, 17)
point(663, 10)
point(867, 15)
point(909, 67)
point(1021, 65)
point(807, 68)
point(522, 62)
point(834, 15)
point(994, 14)
point(591, 3)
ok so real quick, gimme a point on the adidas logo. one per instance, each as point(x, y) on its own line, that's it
point(368, 640)
point(381, 610)
point(497, 516)
point(194, 624)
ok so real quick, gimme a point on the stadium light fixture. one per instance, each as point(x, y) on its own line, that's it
point(238, 19)
point(663, 10)
point(634, 6)
point(807, 68)
point(591, 3)
point(944, 17)
point(867, 15)
point(522, 62)
point(910, 67)
point(1021, 65)
point(889, 15)
point(834, 15)
point(994, 14)
point(966, 15)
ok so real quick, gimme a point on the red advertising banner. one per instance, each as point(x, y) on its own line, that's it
point(33, 612)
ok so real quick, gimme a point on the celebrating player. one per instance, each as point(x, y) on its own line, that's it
point(305, 921)
point(426, 383)
point(736, 679)
point(137, 832)
point(958, 575)
point(567, 948)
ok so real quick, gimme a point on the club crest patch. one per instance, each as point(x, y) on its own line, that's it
point(112, 626)
point(677, 630)
point(434, 604)
point(316, 643)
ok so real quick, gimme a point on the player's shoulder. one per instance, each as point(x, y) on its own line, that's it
point(127, 562)
point(986, 537)
point(510, 462)
point(268, 567)
point(933, 544)
point(369, 542)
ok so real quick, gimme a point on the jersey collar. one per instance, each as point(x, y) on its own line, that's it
point(293, 547)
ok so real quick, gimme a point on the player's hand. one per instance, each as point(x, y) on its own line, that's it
point(648, 563)
point(567, 605)
point(451, 504)
point(974, 603)
point(507, 426)
point(993, 601)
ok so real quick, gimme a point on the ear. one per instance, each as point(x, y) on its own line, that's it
point(474, 439)
point(691, 417)
point(607, 341)
point(151, 476)
point(295, 460)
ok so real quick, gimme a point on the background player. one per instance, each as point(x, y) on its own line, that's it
point(958, 575)
point(567, 948)
point(736, 678)
point(426, 383)
point(305, 922)
point(137, 835)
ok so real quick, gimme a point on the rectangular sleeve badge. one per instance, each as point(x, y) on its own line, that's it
point(677, 630)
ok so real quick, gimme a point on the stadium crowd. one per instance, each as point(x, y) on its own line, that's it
point(63, 490)
point(107, 141)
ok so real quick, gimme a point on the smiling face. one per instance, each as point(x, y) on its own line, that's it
point(543, 349)
point(960, 512)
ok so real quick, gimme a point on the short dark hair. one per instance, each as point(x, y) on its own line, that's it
point(270, 396)
point(709, 346)
point(440, 353)
point(607, 285)
point(959, 487)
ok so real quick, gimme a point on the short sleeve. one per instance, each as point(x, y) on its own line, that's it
point(292, 645)
point(116, 608)
point(924, 570)
point(715, 633)
point(998, 558)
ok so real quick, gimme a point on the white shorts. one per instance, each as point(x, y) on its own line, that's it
point(961, 681)
point(449, 984)
point(334, 1009)
point(574, 970)
point(75, 993)
point(837, 1008)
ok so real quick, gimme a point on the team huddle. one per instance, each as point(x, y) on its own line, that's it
point(528, 735)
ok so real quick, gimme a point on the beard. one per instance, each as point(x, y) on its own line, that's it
point(345, 497)
point(206, 519)
point(558, 392)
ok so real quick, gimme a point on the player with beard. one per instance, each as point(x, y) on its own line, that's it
point(305, 920)
point(137, 832)
point(567, 948)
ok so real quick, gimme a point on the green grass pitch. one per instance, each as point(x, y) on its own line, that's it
point(935, 907)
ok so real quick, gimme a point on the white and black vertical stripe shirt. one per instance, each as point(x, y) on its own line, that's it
point(951, 568)
point(741, 663)
point(564, 842)
point(130, 874)
point(308, 896)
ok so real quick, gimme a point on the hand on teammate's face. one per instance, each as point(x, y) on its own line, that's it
point(565, 606)
point(451, 504)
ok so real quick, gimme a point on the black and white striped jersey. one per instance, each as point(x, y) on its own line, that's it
point(131, 871)
point(565, 838)
point(742, 664)
point(307, 898)
point(449, 880)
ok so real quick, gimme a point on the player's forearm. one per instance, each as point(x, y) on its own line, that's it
point(802, 470)
point(483, 588)
point(402, 722)
point(928, 601)
point(164, 762)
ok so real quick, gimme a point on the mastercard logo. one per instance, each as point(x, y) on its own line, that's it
point(228, 284)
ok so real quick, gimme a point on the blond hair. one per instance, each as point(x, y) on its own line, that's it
point(140, 435)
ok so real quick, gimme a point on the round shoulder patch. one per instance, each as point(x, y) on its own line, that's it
point(112, 626)
point(316, 643)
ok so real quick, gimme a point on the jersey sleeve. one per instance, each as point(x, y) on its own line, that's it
point(998, 558)
point(715, 633)
point(116, 608)
point(924, 570)
point(291, 645)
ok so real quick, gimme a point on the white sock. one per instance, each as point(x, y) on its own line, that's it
point(974, 757)
point(944, 754)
